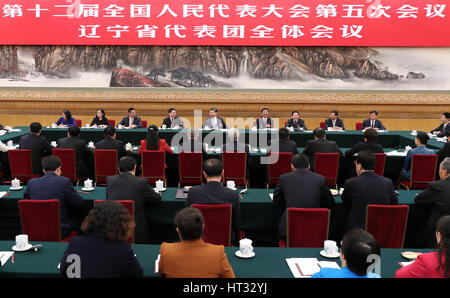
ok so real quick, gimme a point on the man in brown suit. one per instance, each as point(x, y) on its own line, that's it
point(192, 257)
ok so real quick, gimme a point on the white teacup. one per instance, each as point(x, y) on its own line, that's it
point(10, 144)
point(206, 127)
point(88, 184)
point(53, 143)
point(54, 125)
point(21, 241)
point(119, 126)
point(91, 144)
point(87, 125)
point(245, 246)
point(159, 185)
point(163, 126)
point(330, 247)
point(230, 184)
point(15, 183)
point(291, 128)
point(129, 147)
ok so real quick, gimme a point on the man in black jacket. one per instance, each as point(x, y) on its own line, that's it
point(334, 121)
point(301, 189)
point(295, 122)
point(172, 121)
point(213, 192)
point(373, 122)
point(369, 144)
point(126, 186)
point(367, 188)
point(284, 143)
point(444, 151)
point(437, 197)
point(320, 145)
point(444, 127)
point(132, 120)
point(110, 142)
point(38, 145)
point(83, 155)
point(264, 121)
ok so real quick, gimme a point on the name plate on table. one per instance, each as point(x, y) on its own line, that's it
point(181, 194)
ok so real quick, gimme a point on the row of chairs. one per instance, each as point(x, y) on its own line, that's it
point(111, 122)
point(306, 227)
point(235, 165)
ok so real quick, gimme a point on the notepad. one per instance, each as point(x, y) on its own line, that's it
point(4, 256)
point(157, 263)
point(303, 267)
point(271, 196)
point(2, 194)
point(396, 153)
point(403, 264)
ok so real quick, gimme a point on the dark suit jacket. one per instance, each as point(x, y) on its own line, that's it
point(125, 186)
point(168, 123)
point(83, 155)
point(216, 193)
point(235, 147)
point(437, 196)
point(320, 146)
point(101, 257)
point(301, 189)
point(39, 147)
point(441, 130)
point(126, 121)
point(367, 188)
point(192, 146)
point(52, 186)
point(365, 146)
point(444, 152)
point(284, 146)
point(339, 123)
point(260, 123)
point(111, 144)
point(297, 126)
point(378, 124)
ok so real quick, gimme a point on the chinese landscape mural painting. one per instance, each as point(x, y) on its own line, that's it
point(347, 68)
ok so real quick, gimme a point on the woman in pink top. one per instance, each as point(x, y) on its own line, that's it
point(433, 264)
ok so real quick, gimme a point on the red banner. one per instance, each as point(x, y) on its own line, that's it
point(226, 22)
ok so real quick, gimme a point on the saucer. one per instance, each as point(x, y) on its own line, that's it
point(234, 188)
point(23, 249)
point(88, 189)
point(238, 254)
point(162, 189)
point(18, 188)
point(323, 254)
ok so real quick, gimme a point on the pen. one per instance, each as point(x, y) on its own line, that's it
point(7, 194)
point(82, 191)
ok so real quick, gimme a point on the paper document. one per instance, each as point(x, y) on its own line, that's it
point(328, 264)
point(303, 267)
point(2, 194)
point(271, 196)
point(15, 130)
point(396, 153)
point(157, 264)
point(4, 256)
point(403, 264)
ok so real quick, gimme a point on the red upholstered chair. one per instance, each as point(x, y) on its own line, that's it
point(190, 166)
point(381, 161)
point(327, 165)
point(322, 124)
point(105, 165)
point(282, 166)
point(144, 123)
point(217, 228)
point(358, 125)
point(68, 166)
point(153, 165)
point(78, 122)
point(41, 220)
point(235, 168)
point(387, 224)
point(129, 204)
point(306, 227)
point(112, 122)
point(20, 164)
point(423, 169)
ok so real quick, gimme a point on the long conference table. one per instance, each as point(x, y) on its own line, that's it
point(268, 262)
point(393, 142)
point(259, 215)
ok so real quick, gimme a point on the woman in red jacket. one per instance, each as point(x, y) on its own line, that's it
point(433, 264)
point(153, 142)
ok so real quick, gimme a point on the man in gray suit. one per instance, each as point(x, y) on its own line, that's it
point(126, 186)
point(213, 121)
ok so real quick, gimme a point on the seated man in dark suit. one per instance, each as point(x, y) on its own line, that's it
point(131, 121)
point(301, 189)
point(213, 192)
point(334, 122)
point(264, 121)
point(102, 250)
point(234, 145)
point(373, 122)
point(320, 145)
point(436, 197)
point(126, 186)
point(367, 188)
point(369, 144)
point(444, 151)
point(295, 122)
point(7, 128)
point(38, 145)
point(83, 155)
point(444, 127)
point(110, 142)
point(54, 186)
point(172, 121)
point(283, 142)
point(193, 145)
